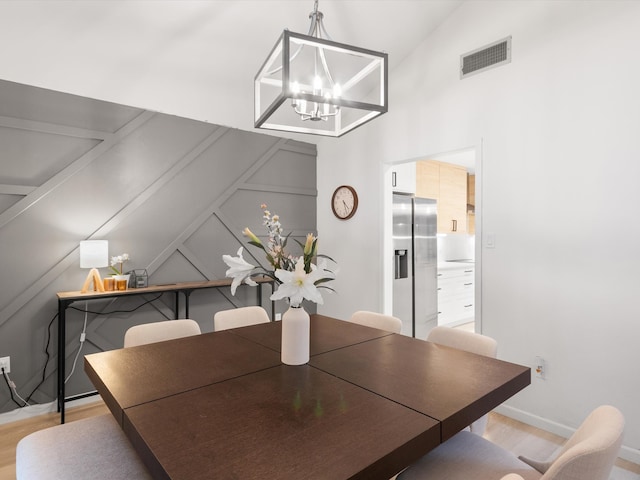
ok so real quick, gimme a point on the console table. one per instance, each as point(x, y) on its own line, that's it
point(65, 299)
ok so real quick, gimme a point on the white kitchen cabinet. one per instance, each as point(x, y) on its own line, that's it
point(403, 177)
point(456, 293)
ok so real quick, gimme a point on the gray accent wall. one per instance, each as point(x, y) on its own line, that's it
point(171, 192)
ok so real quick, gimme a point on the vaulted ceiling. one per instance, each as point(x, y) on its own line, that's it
point(187, 57)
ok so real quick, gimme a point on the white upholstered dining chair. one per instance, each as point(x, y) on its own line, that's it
point(94, 447)
point(588, 455)
point(470, 342)
point(239, 317)
point(160, 331)
point(377, 320)
point(464, 340)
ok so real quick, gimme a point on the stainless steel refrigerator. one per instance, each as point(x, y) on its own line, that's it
point(415, 255)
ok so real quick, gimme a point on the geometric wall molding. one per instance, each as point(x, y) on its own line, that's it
point(172, 192)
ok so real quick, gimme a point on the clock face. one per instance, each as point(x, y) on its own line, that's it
point(344, 202)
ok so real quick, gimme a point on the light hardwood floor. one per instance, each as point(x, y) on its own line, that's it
point(512, 435)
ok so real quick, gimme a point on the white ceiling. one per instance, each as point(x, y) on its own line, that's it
point(186, 57)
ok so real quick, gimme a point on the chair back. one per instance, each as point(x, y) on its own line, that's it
point(160, 331)
point(469, 342)
point(591, 451)
point(239, 317)
point(464, 340)
point(377, 320)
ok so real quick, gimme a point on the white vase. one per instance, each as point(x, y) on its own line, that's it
point(295, 336)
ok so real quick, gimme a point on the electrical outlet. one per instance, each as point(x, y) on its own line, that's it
point(540, 367)
point(278, 316)
point(5, 362)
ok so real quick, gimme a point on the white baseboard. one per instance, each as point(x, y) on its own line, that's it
point(626, 453)
point(27, 412)
point(42, 408)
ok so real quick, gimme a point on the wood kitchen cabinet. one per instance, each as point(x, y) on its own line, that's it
point(471, 204)
point(446, 183)
point(428, 180)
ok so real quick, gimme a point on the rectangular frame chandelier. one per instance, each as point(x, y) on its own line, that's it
point(314, 85)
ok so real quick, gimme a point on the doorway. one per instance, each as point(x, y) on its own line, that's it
point(459, 260)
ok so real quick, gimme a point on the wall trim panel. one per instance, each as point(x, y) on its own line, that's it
point(172, 192)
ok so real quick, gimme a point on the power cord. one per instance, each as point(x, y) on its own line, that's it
point(83, 336)
point(46, 363)
point(116, 311)
point(46, 348)
point(12, 389)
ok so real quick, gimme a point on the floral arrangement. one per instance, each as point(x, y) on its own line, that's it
point(298, 277)
point(117, 263)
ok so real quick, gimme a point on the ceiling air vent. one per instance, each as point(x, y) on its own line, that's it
point(481, 59)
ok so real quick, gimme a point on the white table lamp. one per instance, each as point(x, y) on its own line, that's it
point(94, 254)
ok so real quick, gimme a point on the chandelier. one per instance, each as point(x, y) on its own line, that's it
point(311, 84)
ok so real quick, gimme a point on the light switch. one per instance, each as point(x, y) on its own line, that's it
point(490, 240)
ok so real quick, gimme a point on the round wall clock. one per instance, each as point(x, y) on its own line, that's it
point(344, 202)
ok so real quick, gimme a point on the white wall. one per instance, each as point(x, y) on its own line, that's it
point(560, 166)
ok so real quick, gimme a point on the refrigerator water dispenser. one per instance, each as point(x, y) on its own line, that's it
point(401, 264)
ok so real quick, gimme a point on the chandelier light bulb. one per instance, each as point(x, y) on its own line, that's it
point(317, 85)
point(295, 88)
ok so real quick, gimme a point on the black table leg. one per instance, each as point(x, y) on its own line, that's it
point(62, 307)
point(187, 293)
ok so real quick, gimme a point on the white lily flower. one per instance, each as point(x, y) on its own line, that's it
point(298, 285)
point(324, 271)
point(239, 269)
point(288, 272)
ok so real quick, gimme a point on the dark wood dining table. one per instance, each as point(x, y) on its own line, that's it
point(369, 403)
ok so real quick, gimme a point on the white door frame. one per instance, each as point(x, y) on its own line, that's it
point(387, 266)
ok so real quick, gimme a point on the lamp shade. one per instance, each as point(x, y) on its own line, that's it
point(94, 253)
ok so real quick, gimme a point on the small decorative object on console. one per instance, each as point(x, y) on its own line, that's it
point(121, 279)
point(139, 278)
